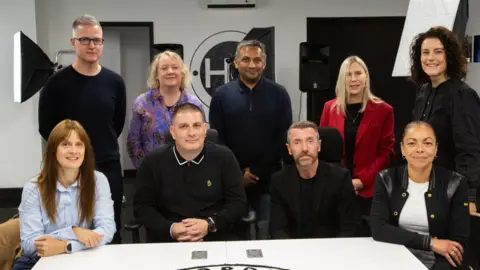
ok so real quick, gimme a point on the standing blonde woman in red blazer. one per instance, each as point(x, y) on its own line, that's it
point(366, 125)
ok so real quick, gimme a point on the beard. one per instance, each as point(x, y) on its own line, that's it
point(300, 162)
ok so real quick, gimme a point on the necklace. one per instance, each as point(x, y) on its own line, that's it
point(354, 119)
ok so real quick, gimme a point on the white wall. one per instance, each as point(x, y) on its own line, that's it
point(20, 142)
point(188, 22)
point(473, 28)
point(135, 60)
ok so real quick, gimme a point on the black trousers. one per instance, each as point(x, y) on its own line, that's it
point(113, 171)
point(363, 228)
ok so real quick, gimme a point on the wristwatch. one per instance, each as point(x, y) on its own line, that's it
point(68, 247)
point(211, 225)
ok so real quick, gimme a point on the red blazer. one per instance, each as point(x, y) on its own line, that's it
point(374, 141)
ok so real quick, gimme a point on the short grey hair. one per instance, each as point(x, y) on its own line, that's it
point(250, 43)
point(303, 125)
point(86, 19)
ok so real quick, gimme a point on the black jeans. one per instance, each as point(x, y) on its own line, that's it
point(25, 263)
point(113, 171)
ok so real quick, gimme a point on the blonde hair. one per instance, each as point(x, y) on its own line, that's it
point(341, 89)
point(152, 81)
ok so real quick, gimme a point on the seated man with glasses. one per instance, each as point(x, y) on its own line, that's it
point(93, 95)
point(191, 190)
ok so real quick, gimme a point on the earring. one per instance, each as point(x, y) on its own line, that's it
point(403, 156)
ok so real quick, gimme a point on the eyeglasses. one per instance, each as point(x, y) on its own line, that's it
point(87, 40)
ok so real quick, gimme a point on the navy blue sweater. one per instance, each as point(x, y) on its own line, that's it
point(97, 102)
point(253, 123)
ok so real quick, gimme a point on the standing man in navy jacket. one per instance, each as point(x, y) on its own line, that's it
point(252, 115)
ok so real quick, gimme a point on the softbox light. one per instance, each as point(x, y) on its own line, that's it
point(31, 68)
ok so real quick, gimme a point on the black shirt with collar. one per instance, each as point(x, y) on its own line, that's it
point(453, 110)
point(170, 189)
point(253, 124)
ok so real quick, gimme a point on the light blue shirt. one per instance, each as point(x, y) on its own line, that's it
point(34, 220)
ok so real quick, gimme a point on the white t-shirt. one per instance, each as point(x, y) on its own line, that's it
point(414, 218)
point(414, 215)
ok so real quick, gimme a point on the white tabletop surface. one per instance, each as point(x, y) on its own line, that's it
point(137, 256)
point(333, 253)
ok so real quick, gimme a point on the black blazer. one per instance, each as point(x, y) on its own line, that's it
point(447, 208)
point(334, 203)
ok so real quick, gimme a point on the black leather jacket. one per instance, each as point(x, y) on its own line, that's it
point(447, 208)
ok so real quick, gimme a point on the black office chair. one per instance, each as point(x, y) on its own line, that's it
point(134, 226)
point(331, 150)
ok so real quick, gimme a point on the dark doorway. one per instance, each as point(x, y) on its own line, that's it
point(134, 24)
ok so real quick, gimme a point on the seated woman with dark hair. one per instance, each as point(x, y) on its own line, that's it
point(421, 205)
point(68, 207)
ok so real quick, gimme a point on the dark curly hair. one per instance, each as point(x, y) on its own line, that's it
point(456, 61)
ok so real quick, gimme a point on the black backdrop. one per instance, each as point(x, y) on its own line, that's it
point(376, 41)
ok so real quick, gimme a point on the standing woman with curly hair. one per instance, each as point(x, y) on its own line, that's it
point(448, 103)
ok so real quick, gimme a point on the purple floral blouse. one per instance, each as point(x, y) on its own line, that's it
point(150, 123)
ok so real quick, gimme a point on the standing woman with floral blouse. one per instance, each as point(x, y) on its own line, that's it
point(152, 111)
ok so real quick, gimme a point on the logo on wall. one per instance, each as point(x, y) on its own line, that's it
point(209, 65)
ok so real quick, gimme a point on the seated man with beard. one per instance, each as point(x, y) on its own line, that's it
point(311, 199)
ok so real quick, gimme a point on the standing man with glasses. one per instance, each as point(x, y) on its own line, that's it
point(93, 95)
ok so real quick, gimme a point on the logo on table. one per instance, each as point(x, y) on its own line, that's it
point(209, 65)
point(234, 267)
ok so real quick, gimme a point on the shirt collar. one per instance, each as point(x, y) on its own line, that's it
point(244, 88)
point(444, 84)
point(181, 161)
point(61, 188)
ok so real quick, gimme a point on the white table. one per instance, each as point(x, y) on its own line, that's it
point(136, 256)
point(334, 253)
